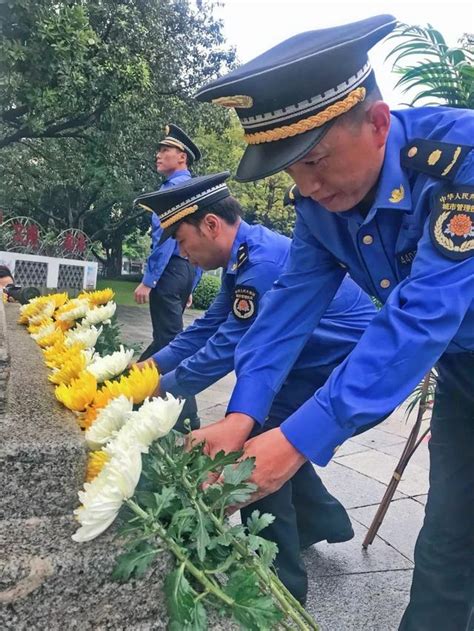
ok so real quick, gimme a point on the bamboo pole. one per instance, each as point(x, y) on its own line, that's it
point(409, 449)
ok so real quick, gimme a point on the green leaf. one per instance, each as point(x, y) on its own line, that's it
point(201, 535)
point(257, 522)
point(135, 562)
point(183, 610)
point(251, 608)
point(235, 474)
point(205, 464)
point(267, 550)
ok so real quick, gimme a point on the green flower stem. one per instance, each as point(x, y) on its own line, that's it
point(157, 528)
point(269, 581)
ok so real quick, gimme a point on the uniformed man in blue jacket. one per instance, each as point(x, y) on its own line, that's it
point(169, 278)
point(389, 197)
point(206, 223)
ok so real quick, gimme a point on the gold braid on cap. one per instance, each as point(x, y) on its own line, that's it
point(317, 120)
point(146, 207)
point(182, 213)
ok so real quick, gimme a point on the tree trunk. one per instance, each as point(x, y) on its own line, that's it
point(113, 267)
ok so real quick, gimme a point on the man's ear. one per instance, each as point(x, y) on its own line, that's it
point(379, 118)
point(212, 223)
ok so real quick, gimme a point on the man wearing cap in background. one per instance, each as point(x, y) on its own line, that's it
point(169, 278)
point(206, 222)
point(388, 197)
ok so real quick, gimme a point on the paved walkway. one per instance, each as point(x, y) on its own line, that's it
point(350, 589)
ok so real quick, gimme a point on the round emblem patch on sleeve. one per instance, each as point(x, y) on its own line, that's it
point(452, 222)
point(245, 302)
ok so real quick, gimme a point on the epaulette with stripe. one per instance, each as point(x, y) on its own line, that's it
point(433, 157)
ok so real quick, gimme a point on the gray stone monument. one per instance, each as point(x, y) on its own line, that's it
point(48, 581)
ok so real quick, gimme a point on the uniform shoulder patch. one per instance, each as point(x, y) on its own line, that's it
point(433, 157)
point(452, 221)
point(245, 302)
point(242, 255)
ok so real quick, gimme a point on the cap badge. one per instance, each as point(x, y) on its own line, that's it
point(237, 101)
point(412, 152)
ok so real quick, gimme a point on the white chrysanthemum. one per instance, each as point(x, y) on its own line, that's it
point(46, 312)
point(88, 354)
point(81, 308)
point(155, 418)
point(109, 420)
point(44, 331)
point(102, 498)
point(87, 336)
point(110, 366)
point(100, 314)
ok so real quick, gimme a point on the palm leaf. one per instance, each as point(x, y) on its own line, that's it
point(417, 394)
point(445, 72)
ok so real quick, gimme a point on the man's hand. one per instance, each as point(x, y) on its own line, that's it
point(276, 461)
point(141, 294)
point(228, 434)
point(189, 302)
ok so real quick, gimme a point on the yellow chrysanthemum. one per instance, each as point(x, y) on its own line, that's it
point(96, 462)
point(46, 311)
point(70, 370)
point(88, 417)
point(51, 339)
point(79, 394)
point(56, 356)
point(34, 327)
point(65, 325)
point(102, 397)
point(59, 299)
point(138, 385)
point(35, 307)
point(100, 297)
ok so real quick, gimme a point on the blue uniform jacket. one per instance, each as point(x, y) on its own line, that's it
point(160, 254)
point(204, 352)
point(428, 296)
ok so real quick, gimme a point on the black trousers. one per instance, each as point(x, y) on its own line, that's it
point(442, 592)
point(167, 303)
point(305, 512)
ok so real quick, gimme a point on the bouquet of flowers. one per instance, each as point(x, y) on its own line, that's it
point(143, 473)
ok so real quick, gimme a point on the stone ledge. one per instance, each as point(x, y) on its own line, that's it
point(42, 453)
point(51, 582)
point(4, 357)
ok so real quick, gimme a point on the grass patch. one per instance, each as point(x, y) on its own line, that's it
point(123, 291)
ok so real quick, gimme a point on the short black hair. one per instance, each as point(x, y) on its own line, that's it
point(356, 115)
point(228, 209)
point(4, 272)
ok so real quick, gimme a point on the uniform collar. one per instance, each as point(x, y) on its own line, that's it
point(177, 174)
point(240, 238)
point(393, 189)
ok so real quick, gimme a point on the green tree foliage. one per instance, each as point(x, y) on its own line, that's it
point(263, 200)
point(68, 65)
point(437, 72)
point(87, 88)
